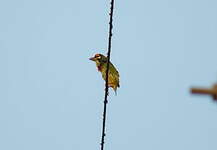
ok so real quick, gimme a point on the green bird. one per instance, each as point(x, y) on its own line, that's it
point(113, 75)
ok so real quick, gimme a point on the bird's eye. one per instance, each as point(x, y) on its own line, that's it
point(97, 56)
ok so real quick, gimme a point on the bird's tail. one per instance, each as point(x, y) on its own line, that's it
point(115, 89)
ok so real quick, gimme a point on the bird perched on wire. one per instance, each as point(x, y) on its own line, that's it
point(113, 75)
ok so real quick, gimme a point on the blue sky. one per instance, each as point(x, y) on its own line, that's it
point(52, 96)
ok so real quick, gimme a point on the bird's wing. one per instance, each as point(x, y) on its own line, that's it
point(114, 74)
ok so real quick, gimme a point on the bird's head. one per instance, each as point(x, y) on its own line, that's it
point(99, 58)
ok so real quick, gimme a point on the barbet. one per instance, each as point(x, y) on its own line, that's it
point(113, 75)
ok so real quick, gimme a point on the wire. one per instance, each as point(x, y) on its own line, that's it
point(107, 71)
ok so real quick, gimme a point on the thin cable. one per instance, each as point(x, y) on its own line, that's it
point(107, 71)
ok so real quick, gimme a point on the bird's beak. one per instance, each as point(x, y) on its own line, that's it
point(92, 58)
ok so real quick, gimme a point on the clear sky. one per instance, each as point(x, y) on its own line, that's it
point(51, 95)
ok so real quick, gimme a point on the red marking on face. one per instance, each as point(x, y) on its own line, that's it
point(97, 55)
point(99, 68)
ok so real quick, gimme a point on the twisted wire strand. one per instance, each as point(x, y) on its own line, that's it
point(107, 72)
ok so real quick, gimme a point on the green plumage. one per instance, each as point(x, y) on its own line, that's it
point(113, 75)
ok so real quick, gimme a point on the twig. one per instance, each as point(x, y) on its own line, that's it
point(107, 71)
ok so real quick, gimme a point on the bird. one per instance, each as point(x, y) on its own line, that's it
point(113, 75)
